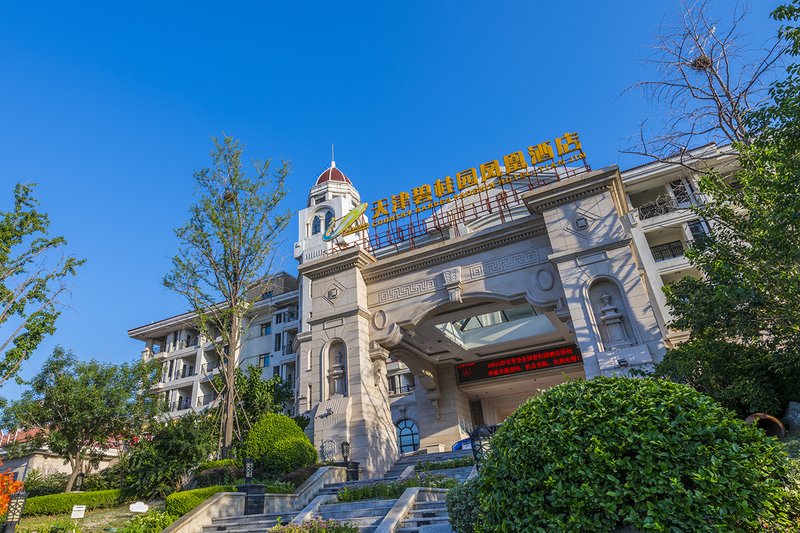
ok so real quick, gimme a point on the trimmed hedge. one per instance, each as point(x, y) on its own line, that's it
point(462, 506)
point(219, 463)
point(180, 503)
point(62, 503)
point(223, 475)
point(613, 452)
point(382, 490)
point(279, 446)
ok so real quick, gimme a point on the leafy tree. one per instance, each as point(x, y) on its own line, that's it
point(79, 407)
point(227, 249)
point(750, 288)
point(158, 464)
point(33, 274)
point(256, 396)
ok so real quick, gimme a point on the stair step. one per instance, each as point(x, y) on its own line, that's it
point(347, 514)
point(426, 521)
point(433, 504)
point(361, 504)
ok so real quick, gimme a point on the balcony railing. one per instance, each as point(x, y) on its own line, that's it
point(181, 404)
point(665, 252)
point(401, 389)
point(206, 399)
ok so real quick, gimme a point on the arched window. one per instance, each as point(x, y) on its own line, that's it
point(328, 219)
point(315, 225)
point(407, 435)
point(337, 373)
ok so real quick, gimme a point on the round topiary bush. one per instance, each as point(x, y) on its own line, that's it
point(278, 445)
point(614, 452)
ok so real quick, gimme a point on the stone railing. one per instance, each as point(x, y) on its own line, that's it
point(228, 504)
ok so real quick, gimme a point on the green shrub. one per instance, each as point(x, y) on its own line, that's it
point(427, 466)
point(299, 476)
point(223, 475)
point(743, 378)
point(612, 452)
point(157, 467)
point(462, 506)
point(279, 446)
point(37, 484)
point(219, 463)
point(316, 525)
point(62, 503)
point(152, 522)
point(180, 503)
point(108, 478)
point(393, 490)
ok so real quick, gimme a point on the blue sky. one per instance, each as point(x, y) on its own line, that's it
point(110, 108)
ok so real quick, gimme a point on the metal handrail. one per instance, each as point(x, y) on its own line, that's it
point(665, 252)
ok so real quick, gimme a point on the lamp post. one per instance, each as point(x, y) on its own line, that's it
point(346, 451)
point(249, 464)
point(79, 482)
point(16, 502)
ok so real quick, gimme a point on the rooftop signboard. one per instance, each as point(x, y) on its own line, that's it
point(396, 218)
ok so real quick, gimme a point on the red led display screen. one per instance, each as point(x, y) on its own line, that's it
point(518, 364)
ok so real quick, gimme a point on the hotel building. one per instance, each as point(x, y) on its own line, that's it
point(452, 318)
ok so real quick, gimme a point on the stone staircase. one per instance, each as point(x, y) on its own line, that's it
point(248, 523)
point(430, 513)
point(364, 514)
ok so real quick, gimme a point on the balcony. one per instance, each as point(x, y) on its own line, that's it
point(181, 404)
point(400, 389)
point(665, 252)
point(207, 399)
point(208, 368)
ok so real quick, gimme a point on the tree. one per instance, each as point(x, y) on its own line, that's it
point(33, 274)
point(159, 462)
point(256, 396)
point(78, 408)
point(226, 252)
point(708, 81)
point(750, 263)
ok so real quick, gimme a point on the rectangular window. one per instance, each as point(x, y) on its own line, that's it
point(266, 328)
point(276, 371)
point(699, 229)
point(278, 343)
point(279, 318)
point(263, 360)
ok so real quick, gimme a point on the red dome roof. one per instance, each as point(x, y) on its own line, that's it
point(333, 174)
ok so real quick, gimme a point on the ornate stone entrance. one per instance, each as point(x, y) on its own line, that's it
point(560, 272)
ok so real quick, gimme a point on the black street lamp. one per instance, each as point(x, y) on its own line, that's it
point(79, 481)
point(16, 502)
point(249, 464)
point(346, 451)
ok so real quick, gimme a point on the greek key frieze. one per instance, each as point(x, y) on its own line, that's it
point(407, 290)
point(503, 264)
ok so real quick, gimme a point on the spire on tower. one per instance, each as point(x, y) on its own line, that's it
point(333, 159)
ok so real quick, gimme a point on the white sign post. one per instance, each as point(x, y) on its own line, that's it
point(77, 513)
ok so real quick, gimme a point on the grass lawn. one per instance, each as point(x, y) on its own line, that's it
point(96, 521)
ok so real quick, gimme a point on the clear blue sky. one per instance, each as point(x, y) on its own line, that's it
point(110, 107)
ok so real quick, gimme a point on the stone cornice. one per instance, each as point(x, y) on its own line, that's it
point(451, 249)
point(352, 311)
point(571, 189)
point(348, 259)
point(584, 252)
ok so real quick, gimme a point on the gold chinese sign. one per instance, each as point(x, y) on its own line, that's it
point(516, 166)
